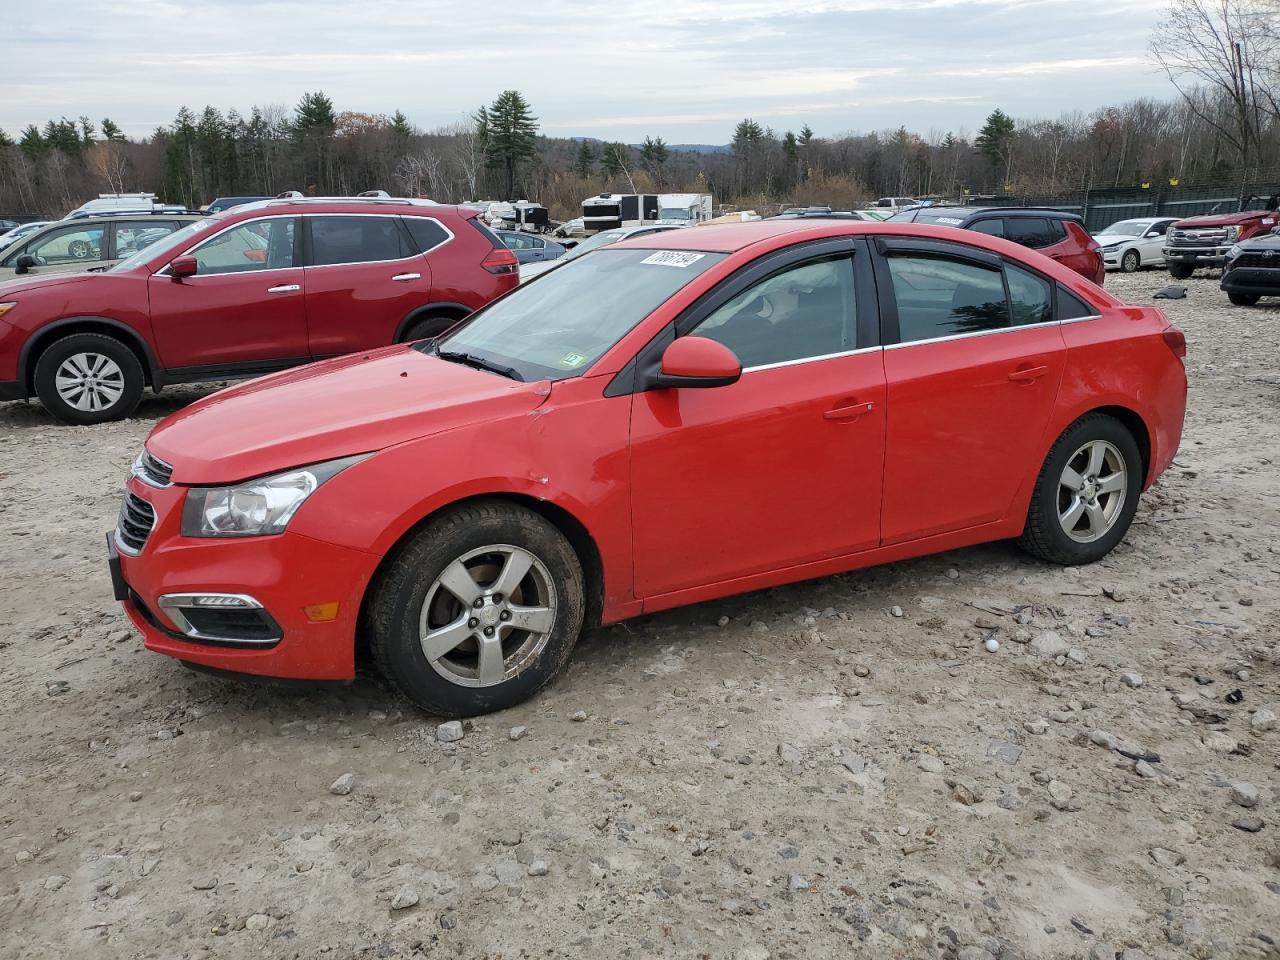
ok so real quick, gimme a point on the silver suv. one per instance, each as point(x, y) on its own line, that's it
point(87, 243)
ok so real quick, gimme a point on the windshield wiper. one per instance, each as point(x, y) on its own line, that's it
point(480, 363)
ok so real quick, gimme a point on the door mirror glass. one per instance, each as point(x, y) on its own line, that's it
point(25, 263)
point(184, 266)
point(698, 362)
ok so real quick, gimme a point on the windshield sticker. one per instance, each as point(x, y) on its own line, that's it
point(673, 258)
point(572, 360)
point(950, 221)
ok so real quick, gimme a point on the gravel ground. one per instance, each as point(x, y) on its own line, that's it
point(836, 768)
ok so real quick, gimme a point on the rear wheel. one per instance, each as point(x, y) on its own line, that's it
point(1130, 262)
point(1244, 299)
point(479, 610)
point(89, 378)
point(1181, 271)
point(428, 327)
point(1086, 494)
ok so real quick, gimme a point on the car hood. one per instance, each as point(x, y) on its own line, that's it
point(1106, 239)
point(26, 284)
point(1220, 220)
point(1268, 241)
point(336, 408)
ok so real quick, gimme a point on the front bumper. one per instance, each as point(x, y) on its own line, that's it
point(1197, 256)
point(1260, 280)
point(284, 573)
point(13, 390)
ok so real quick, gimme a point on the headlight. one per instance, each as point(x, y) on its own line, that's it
point(1234, 252)
point(1233, 233)
point(257, 507)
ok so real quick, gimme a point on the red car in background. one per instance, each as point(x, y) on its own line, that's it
point(262, 287)
point(665, 420)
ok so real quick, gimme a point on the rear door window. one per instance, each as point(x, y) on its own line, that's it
point(938, 296)
point(354, 239)
point(992, 226)
point(1030, 296)
point(130, 236)
point(1033, 232)
point(427, 233)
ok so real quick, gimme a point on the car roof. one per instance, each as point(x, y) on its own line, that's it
point(392, 205)
point(731, 237)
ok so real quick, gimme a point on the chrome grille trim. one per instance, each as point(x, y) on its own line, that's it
point(152, 471)
point(134, 525)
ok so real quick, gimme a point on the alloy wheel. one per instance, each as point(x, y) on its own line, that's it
point(487, 616)
point(89, 382)
point(1092, 491)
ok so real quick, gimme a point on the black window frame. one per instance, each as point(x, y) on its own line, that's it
point(407, 243)
point(637, 375)
point(413, 241)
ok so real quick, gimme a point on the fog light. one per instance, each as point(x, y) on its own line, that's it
point(321, 612)
point(233, 618)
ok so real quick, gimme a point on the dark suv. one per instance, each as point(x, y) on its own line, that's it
point(259, 288)
point(1252, 270)
point(1059, 236)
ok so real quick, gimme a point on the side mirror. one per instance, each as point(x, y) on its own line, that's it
point(25, 263)
point(697, 362)
point(184, 267)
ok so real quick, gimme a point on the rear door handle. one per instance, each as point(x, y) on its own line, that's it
point(1028, 374)
point(286, 288)
point(851, 412)
point(407, 276)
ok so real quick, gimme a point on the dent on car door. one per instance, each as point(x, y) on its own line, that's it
point(973, 366)
point(781, 468)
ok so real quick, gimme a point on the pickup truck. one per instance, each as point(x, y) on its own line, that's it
point(1204, 241)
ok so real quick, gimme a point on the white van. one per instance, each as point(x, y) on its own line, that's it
point(121, 203)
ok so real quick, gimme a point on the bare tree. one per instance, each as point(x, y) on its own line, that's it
point(107, 161)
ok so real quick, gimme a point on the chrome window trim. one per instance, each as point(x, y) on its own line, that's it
point(173, 603)
point(988, 333)
point(825, 356)
point(164, 271)
point(359, 263)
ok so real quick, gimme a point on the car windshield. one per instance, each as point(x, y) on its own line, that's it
point(559, 325)
point(602, 239)
point(174, 241)
point(1128, 228)
point(673, 213)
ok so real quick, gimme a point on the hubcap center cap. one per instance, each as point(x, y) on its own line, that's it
point(489, 614)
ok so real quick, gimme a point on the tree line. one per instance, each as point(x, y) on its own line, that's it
point(1222, 58)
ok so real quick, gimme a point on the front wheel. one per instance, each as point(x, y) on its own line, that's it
point(1181, 271)
point(427, 327)
point(479, 610)
point(1130, 262)
point(1244, 299)
point(89, 378)
point(1086, 494)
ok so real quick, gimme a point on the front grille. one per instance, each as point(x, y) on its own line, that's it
point(1266, 260)
point(137, 517)
point(152, 470)
point(1197, 238)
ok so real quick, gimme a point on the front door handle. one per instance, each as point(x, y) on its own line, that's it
point(851, 412)
point(1028, 374)
point(286, 288)
point(407, 276)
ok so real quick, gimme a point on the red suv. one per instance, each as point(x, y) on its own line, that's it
point(659, 422)
point(1059, 236)
point(262, 287)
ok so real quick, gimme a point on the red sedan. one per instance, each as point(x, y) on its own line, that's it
point(685, 416)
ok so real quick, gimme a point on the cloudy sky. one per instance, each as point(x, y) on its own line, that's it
point(685, 70)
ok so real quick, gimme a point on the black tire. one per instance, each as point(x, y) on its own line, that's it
point(1044, 535)
point(129, 382)
point(1244, 299)
point(427, 327)
point(400, 595)
point(1130, 262)
point(1181, 271)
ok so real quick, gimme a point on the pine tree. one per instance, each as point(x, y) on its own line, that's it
point(32, 143)
point(510, 135)
point(806, 135)
point(5, 139)
point(995, 140)
point(314, 113)
point(653, 155)
point(584, 163)
point(401, 128)
point(87, 130)
point(111, 132)
point(613, 158)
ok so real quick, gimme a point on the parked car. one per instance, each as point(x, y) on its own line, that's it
point(593, 242)
point(241, 293)
point(109, 203)
point(894, 204)
point(1059, 236)
point(823, 213)
point(86, 243)
point(674, 418)
point(1252, 269)
point(222, 204)
point(1205, 241)
point(20, 231)
point(530, 248)
point(1128, 245)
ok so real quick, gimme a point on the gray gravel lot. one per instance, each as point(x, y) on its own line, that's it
point(832, 769)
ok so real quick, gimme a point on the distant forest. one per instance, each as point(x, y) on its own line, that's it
point(1223, 125)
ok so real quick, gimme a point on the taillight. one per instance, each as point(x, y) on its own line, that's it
point(501, 261)
point(1176, 341)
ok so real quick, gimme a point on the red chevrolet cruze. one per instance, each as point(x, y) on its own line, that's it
point(667, 420)
point(262, 287)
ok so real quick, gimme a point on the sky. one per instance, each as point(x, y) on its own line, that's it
point(685, 70)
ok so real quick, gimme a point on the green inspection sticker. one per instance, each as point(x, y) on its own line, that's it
point(572, 360)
